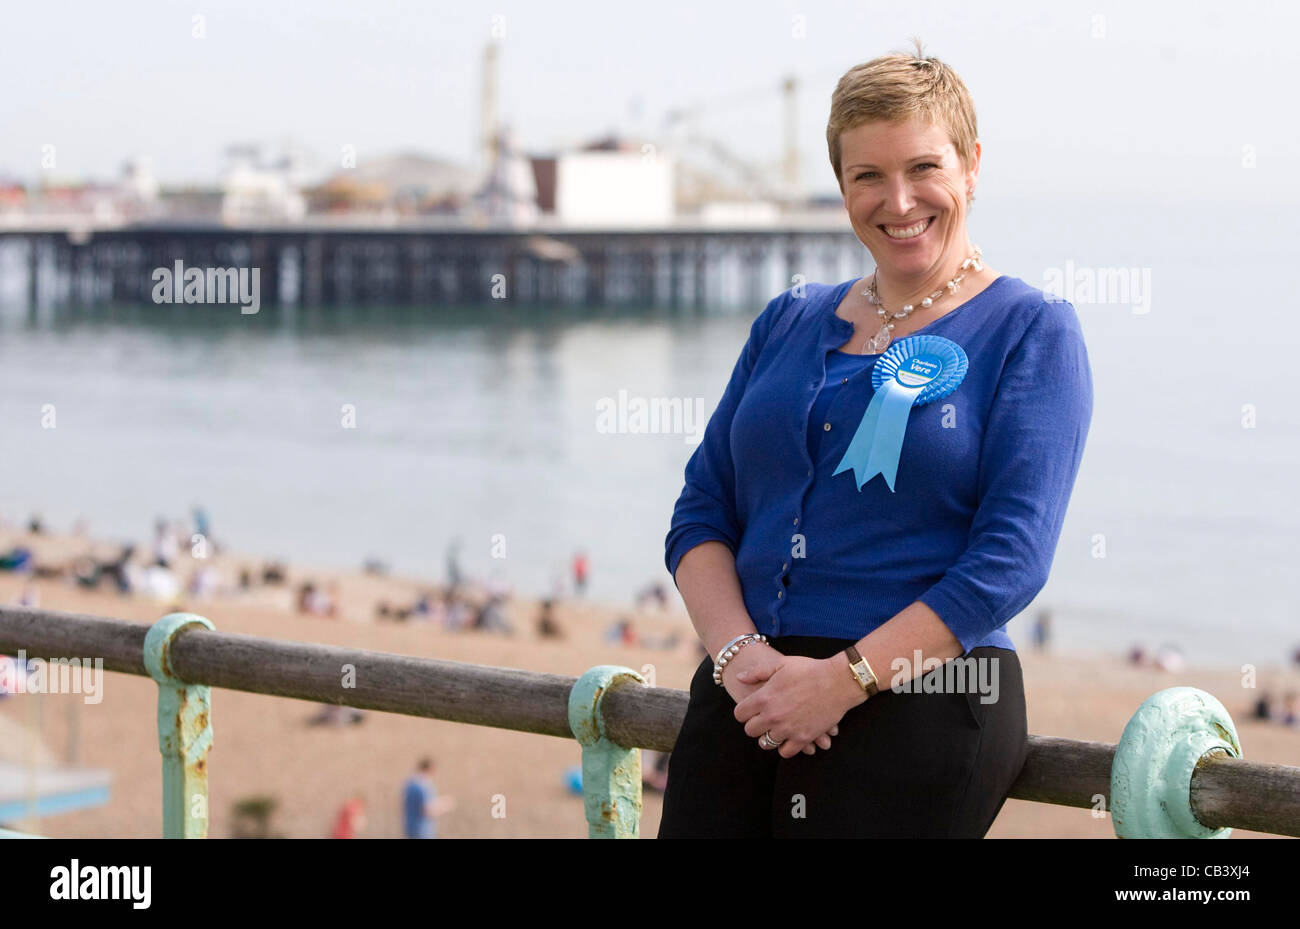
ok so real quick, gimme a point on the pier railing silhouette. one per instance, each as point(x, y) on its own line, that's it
point(1176, 772)
point(430, 265)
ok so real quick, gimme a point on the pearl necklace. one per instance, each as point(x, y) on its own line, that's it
point(880, 341)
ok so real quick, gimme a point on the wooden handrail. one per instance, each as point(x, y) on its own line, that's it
point(1225, 792)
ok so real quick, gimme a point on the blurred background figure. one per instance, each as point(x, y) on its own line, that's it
point(1043, 630)
point(1290, 714)
point(1169, 658)
point(315, 600)
point(351, 818)
point(655, 592)
point(621, 632)
point(203, 526)
point(547, 628)
point(454, 575)
point(332, 714)
point(203, 582)
point(579, 574)
point(165, 547)
point(421, 805)
point(491, 616)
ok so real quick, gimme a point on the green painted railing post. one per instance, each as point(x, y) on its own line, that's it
point(184, 732)
point(1151, 776)
point(611, 774)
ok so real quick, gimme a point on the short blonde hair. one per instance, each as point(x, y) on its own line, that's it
point(898, 87)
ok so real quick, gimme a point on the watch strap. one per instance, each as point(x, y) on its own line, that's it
point(862, 672)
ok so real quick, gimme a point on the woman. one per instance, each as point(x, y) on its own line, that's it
point(834, 597)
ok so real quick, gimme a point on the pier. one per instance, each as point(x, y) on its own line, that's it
point(325, 265)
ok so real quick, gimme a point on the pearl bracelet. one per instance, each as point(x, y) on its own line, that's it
point(729, 652)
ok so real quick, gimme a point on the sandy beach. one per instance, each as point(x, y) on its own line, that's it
point(264, 746)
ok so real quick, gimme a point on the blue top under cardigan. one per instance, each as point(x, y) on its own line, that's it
point(983, 481)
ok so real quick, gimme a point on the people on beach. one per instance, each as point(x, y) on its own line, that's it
point(455, 612)
point(421, 805)
point(87, 571)
point(118, 571)
point(621, 632)
point(203, 582)
point(448, 611)
point(1266, 709)
point(317, 601)
point(18, 559)
point(655, 592)
point(1168, 657)
point(1290, 714)
point(351, 818)
point(547, 627)
point(332, 714)
point(1043, 630)
point(427, 608)
point(453, 565)
point(165, 546)
point(157, 581)
point(580, 568)
point(491, 616)
point(202, 525)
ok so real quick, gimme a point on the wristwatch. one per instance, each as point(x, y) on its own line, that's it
point(862, 672)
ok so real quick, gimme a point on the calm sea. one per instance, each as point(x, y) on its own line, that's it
point(481, 424)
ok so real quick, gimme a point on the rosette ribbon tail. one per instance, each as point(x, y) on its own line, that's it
point(878, 441)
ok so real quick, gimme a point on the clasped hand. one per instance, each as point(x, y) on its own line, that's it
point(786, 695)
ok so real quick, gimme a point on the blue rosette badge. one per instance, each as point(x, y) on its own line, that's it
point(913, 372)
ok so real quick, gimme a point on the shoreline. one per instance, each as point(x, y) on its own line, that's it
point(64, 546)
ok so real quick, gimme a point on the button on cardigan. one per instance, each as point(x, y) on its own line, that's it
point(983, 481)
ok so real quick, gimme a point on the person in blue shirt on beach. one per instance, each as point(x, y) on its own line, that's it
point(421, 805)
point(861, 682)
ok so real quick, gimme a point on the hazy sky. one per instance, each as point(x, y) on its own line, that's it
point(1154, 98)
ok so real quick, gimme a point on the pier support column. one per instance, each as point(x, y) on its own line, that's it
point(33, 273)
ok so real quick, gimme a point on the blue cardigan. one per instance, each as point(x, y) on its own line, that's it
point(983, 480)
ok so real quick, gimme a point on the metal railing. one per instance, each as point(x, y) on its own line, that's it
point(1177, 771)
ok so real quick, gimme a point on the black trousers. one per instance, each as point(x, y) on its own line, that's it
point(904, 765)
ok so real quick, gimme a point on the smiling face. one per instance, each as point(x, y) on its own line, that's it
point(905, 191)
